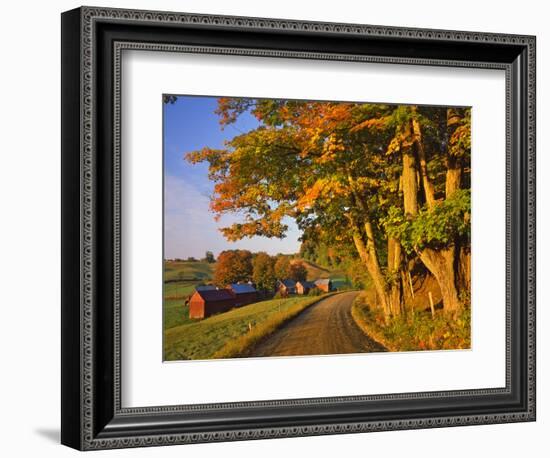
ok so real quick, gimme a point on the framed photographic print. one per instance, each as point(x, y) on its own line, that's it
point(276, 228)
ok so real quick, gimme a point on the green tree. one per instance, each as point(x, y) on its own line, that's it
point(282, 267)
point(298, 271)
point(209, 257)
point(263, 272)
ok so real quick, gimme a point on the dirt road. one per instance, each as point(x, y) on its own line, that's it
point(326, 328)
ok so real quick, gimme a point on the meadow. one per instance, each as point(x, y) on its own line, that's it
point(181, 277)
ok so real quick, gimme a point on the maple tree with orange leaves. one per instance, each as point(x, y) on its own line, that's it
point(390, 183)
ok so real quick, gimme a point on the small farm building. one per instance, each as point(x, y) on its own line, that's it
point(304, 287)
point(324, 284)
point(206, 303)
point(286, 287)
point(244, 293)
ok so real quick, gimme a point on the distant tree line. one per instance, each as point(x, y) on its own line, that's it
point(209, 258)
point(236, 266)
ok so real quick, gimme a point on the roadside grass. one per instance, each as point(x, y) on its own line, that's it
point(413, 332)
point(231, 334)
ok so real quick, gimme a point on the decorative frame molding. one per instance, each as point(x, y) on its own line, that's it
point(92, 414)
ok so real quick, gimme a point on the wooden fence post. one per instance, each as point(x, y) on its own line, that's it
point(431, 304)
point(411, 284)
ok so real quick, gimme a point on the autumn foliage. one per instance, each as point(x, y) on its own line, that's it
point(388, 185)
point(233, 266)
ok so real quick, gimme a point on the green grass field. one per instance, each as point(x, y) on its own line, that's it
point(176, 313)
point(180, 278)
point(186, 270)
point(206, 338)
point(179, 289)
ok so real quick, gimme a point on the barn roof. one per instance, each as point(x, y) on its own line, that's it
point(322, 281)
point(306, 284)
point(215, 295)
point(242, 288)
point(289, 283)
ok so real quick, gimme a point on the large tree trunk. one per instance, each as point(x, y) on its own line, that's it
point(463, 269)
point(394, 272)
point(410, 184)
point(453, 182)
point(441, 265)
point(409, 176)
point(426, 182)
point(374, 270)
point(452, 179)
point(363, 239)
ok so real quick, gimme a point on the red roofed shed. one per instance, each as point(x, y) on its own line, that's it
point(206, 303)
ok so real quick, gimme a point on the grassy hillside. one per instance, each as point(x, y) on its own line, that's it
point(176, 313)
point(181, 277)
point(315, 271)
point(186, 270)
point(226, 334)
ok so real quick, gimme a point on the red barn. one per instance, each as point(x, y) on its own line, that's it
point(304, 287)
point(206, 303)
point(286, 287)
point(244, 293)
point(324, 284)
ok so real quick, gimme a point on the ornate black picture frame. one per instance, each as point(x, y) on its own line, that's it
point(92, 42)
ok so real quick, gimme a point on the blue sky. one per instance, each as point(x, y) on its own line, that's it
point(189, 227)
